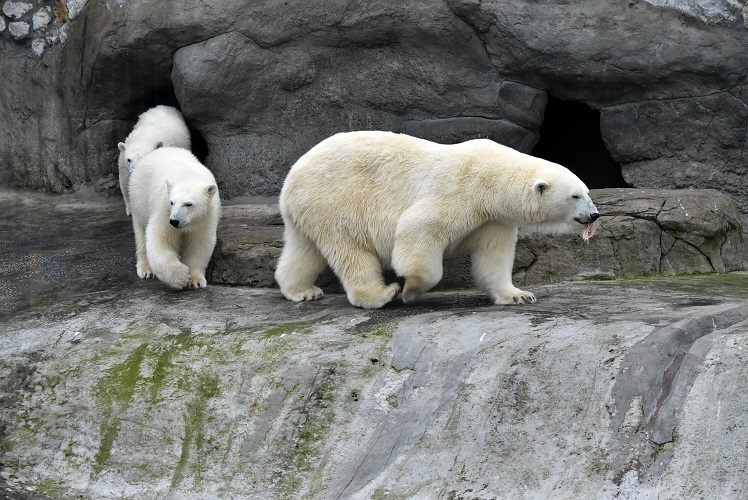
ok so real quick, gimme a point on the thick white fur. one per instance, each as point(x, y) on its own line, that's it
point(159, 126)
point(171, 185)
point(364, 201)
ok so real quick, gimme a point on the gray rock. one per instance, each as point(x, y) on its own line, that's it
point(38, 45)
point(42, 18)
point(113, 387)
point(668, 79)
point(2, 24)
point(16, 10)
point(18, 29)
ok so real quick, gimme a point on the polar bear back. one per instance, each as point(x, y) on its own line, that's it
point(161, 124)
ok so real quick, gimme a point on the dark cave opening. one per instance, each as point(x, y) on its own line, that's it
point(570, 136)
point(166, 96)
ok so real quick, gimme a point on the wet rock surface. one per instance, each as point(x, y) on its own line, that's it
point(115, 387)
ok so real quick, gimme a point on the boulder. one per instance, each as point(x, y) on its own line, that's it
point(261, 84)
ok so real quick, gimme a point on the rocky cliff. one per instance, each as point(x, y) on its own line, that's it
point(261, 83)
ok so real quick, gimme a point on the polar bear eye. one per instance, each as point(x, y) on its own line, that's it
point(171, 203)
point(188, 204)
point(575, 196)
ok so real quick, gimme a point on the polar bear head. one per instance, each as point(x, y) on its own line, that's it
point(562, 201)
point(189, 202)
point(135, 150)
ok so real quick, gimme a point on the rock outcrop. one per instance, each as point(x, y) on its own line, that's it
point(261, 84)
point(640, 232)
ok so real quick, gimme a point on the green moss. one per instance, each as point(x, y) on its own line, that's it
point(50, 488)
point(205, 386)
point(114, 393)
point(384, 331)
point(287, 329)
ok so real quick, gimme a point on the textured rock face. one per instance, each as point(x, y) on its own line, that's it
point(263, 83)
point(640, 232)
point(112, 387)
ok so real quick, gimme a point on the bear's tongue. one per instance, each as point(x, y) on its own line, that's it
point(589, 231)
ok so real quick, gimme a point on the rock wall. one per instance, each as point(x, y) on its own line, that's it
point(261, 84)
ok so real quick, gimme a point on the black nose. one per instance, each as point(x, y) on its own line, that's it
point(175, 222)
point(593, 217)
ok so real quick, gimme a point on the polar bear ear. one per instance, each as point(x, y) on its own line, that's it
point(211, 190)
point(159, 144)
point(168, 186)
point(540, 186)
point(121, 146)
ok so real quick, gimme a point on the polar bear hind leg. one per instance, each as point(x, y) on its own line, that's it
point(360, 271)
point(298, 266)
point(491, 249)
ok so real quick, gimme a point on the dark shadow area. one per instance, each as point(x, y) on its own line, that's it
point(570, 136)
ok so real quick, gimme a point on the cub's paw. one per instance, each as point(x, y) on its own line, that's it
point(313, 293)
point(176, 277)
point(197, 280)
point(144, 270)
point(515, 296)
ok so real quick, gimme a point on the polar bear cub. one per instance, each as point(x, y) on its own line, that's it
point(366, 201)
point(155, 128)
point(175, 211)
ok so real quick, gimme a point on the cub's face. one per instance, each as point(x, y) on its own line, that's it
point(189, 202)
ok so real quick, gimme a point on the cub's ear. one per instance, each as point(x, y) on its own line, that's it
point(540, 186)
point(121, 146)
point(159, 144)
point(211, 190)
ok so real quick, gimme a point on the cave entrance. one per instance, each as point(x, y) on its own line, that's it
point(570, 135)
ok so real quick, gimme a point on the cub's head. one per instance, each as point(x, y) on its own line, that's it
point(134, 151)
point(562, 201)
point(189, 202)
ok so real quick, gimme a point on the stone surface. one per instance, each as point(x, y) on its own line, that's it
point(42, 18)
point(640, 232)
point(16, 10)
point(113, 387)
point(261, 84)
point(18, 29)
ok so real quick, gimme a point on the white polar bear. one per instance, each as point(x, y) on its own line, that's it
point(157, 127)
point(175, 211)
point(364, 201)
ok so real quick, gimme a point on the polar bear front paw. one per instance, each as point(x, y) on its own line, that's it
point(373, 298)
point(176, 277)
point(197, 280)
point(309, 294)
point(144, 270)
point(515, 296)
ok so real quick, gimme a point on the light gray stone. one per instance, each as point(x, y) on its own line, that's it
point(19, 29)
point(16, 10)
point(42, 18)
point(38, 46)
point(2, 24)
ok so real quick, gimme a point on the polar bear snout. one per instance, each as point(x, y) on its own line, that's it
point(174, 222)
point(588, 218)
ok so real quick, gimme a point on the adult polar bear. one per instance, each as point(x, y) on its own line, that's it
point(175, 211)
point(364, 201)
point(157, 127)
